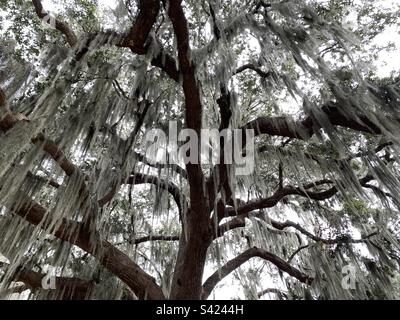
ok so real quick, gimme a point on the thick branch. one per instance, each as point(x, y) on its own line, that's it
point(193, 106)
point(110, 257)
point(140, 178)
point(187, 67)
point(287, 127)
point(63, 27)
point(138, 34)
point(65, 288)
point(235, 263)
point(56, 153)
point(7, 118)
point(138, 38)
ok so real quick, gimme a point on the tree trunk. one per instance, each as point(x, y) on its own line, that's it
point(192, 254)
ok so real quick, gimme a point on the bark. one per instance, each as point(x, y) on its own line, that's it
point(303, 130)
point(235, 263)
point(189, 268)
point(148, 12)
point(196, 235)
point(59, 25)
point(110, 257)
point(7, 118)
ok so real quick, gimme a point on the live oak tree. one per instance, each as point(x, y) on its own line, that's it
point(80, 91)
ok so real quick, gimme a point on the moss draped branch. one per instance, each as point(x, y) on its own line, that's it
point(235, 263)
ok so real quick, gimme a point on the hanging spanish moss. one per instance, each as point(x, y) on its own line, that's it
point(110, 190)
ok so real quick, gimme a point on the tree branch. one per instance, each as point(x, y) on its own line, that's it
point(7, 118)
point(44, 180)
point(243, 211)
point(174, 167)
point(251, 66)
point(56, 153)
point(136, 40)
point(66, 288)
point(286, 191)
point(278, 292)
point(296, 252)
point(235, 263)
point(63, 27)
point(110, 257)
point(139, 32)
point(287, 127)
point(140, 178)
point(155, 238)
point(193, 106)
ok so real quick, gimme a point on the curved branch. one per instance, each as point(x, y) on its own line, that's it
point(251, 66)
point(278, 292)
point(287, 127)
point(286, 191)
point(140, 178)
point(136, 40)
point(110, 257)
point(340, 239)
point(243, 211)
point(309, 156)
point(180, 200)
point(235, 263)
point(240, 222)
point(296, 252)
point(56, 153)
point(65, 288)
point(61, 26)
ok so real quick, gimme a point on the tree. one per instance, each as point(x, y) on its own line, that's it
point(82, 193)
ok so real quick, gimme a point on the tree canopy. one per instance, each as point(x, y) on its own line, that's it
point(86, 198)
